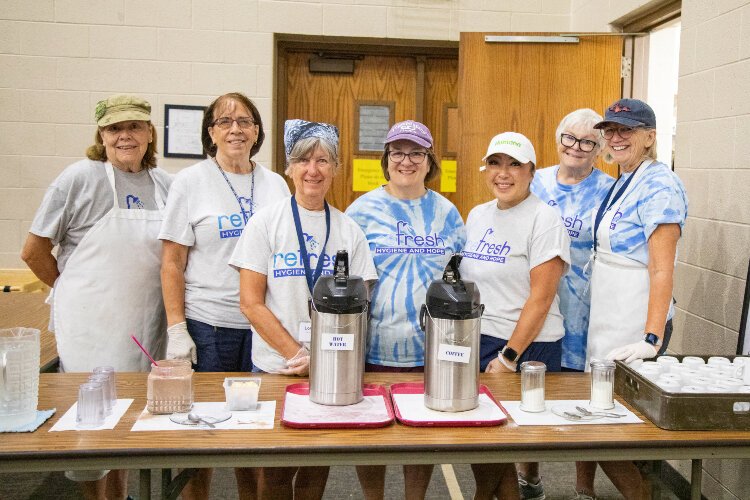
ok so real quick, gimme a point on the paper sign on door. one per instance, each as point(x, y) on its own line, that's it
point(455, 353)
point(337, 342)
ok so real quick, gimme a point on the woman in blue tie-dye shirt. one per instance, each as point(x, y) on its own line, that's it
point(412, 232)
point(636, 230)
point(575, 188)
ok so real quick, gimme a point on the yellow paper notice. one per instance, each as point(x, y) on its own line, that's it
point(367, 175)
point(448, 176)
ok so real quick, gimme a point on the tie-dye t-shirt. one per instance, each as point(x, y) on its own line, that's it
point(575, 203)
point(658, 197)
point(411, 242)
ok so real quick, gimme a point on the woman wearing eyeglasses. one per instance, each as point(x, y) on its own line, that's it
point(412, 232)
point(516, 251)
point(636, 229)
point(575, 188)
point(284, 251)
point(204, 218)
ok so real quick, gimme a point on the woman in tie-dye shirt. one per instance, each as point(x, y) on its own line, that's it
point(636, 230)
point(575, 188)
point(412, 232)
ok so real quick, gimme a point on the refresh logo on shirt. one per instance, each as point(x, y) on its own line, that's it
point(573, 225)
point(488, 250)
point(407, 241)
point(230, 225)
point(290, 264)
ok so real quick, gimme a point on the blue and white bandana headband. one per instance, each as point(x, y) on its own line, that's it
point(295, 130)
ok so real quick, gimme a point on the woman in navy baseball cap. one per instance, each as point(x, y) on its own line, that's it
point(636, 230)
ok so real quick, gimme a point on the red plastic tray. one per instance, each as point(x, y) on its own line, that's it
point(418, 388)
point(303, 389)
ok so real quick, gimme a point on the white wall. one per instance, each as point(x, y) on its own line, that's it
point(59, 57)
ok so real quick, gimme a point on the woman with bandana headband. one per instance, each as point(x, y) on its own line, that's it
point(282, 252)
point(205, 214)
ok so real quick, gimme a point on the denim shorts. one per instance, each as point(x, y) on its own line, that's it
point(221, 349)
point(549, 353)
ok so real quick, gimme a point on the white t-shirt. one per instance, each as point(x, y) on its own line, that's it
point(270, 246)
point(203, 214)
point(502, 247)
point(81, 195)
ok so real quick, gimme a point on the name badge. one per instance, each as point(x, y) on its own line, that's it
point(454, 353)
point(305, 331)
point(337, 342)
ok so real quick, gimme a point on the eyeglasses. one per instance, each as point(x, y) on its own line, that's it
point(225, 123)
point(585, 145)
point(414, 156)
point(623, 132)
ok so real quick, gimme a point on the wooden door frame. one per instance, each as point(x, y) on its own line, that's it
point(284, 43)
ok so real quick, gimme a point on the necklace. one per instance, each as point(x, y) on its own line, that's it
point(244, 213)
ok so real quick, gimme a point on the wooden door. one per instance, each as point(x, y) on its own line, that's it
point(527, 88)
point(420, 87)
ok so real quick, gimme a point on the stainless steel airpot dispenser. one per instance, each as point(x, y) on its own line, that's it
point(339, 329)
point(451, 319)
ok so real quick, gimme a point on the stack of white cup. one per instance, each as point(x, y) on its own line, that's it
point(695, 375)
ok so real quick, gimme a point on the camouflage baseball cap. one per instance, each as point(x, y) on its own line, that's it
point(121, 108)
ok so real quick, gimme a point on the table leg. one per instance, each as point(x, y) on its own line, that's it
point(144, 492)
point(696, 476)
point(171, 488)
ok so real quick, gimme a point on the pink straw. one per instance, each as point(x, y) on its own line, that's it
point(144, 350)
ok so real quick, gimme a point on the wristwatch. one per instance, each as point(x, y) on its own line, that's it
point(652, 338)
point(509, 353)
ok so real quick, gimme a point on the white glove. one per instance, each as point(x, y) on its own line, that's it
point(634, 351)
point(299, 364)
point(179, 343)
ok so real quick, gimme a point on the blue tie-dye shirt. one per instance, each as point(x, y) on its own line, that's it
point(575, 203)
point(411, 242)
point(658, 197)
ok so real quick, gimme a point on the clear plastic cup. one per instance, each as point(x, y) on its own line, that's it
point(242, 393)
point(669, 385)
point(667, 360)
point(108, 370)
point(718, 360)
point(106, 397)
point(90, 405)
point(693, 362)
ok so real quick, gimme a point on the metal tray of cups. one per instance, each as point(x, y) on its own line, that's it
point(682, 411)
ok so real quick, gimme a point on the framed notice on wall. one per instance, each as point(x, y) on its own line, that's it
point(182, 131)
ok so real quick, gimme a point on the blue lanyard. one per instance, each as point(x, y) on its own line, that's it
point(605, 206)
point(252, 191)
point(310, 276)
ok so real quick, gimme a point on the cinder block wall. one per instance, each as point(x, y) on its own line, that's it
point(59, 57)
point(713, 160)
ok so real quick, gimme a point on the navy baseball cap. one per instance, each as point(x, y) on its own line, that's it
point(632, 113)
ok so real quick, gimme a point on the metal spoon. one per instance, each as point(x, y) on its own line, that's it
point(588, 413)
point(572, 416)
point(195, 418)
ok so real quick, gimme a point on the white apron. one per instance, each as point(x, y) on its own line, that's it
point(619, 291)
point(110, 289)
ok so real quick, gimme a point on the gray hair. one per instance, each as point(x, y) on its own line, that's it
point(585, 119)
point(305, 147)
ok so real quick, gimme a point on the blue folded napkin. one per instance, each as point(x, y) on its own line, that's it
point(41, 417)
